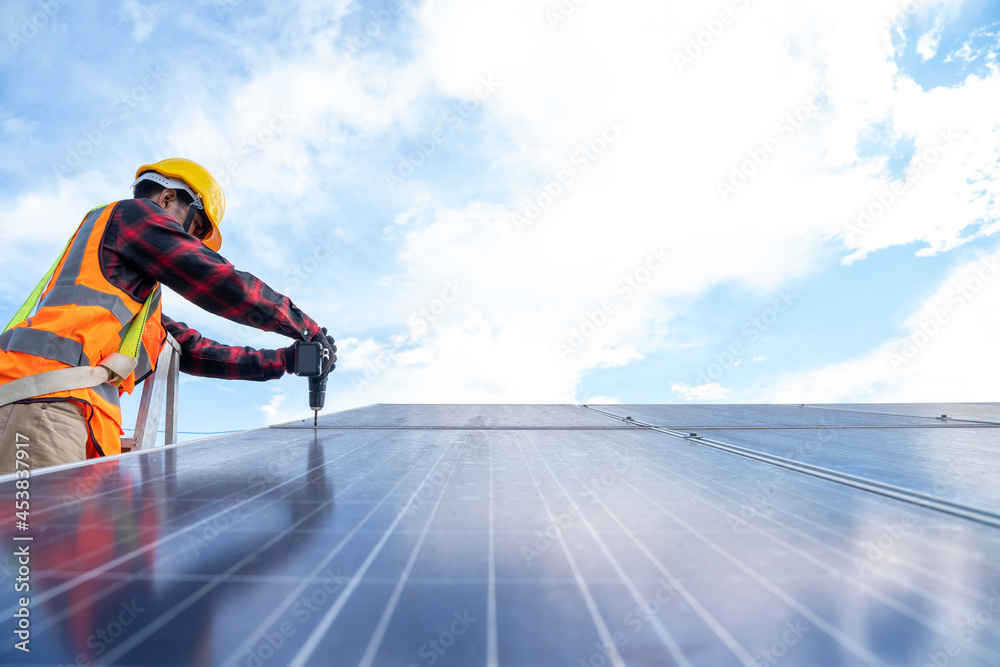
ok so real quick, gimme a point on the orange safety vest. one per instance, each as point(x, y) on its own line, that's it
point(81, 319)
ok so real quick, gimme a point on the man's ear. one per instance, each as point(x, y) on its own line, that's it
point(166, 196)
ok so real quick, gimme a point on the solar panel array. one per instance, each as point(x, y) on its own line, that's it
point(522, 535)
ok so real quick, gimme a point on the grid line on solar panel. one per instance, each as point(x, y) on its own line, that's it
point(710, 479)
point(492, 650)
point(379, 633)
point(141, 459)
point(309, 646)
point(123, 648)
point(272, 619)
point(717, 416)
point(84, 577)
point(668, 640)
point(907, 610)
point(738, 650)
point(872, 513)
point(964, 408)
point(595, 615)
point(840, 636)
point(958, 467)
point(127, 511)
point(121, 582)
point(896, 492)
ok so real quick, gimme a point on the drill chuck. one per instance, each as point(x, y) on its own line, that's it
point(317, 392)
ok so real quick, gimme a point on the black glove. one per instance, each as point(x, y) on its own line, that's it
point(288, 354)
point(329, 347)
point(330, 358)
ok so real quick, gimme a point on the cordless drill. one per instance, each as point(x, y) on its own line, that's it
point(309, 357)
point(317, 395)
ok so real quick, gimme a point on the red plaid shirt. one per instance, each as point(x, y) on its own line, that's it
point(143, 245)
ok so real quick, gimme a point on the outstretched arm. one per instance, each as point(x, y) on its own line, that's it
point(207, 358)
point(154, 245)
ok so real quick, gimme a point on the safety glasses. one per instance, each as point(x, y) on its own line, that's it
point(203, 226)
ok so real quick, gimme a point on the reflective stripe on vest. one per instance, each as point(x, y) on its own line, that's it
point(81, 295)
point(81, 319)
point(44, 344)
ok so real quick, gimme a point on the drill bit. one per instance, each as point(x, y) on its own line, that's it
point(315, 418)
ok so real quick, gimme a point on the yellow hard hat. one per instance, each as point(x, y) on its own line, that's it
point(201, 184)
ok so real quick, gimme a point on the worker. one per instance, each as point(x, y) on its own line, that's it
point(99, 329)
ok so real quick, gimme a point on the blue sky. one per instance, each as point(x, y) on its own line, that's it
point(543, 201)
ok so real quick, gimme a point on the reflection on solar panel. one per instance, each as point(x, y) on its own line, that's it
point(415, 535)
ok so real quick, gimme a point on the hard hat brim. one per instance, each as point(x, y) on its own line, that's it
point(213, 240)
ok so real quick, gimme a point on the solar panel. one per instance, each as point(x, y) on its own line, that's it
point(525, 535)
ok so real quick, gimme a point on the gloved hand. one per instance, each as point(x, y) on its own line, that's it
point(331, 347)
point(288, 354)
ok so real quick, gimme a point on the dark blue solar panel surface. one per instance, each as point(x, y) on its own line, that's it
point(520, 535)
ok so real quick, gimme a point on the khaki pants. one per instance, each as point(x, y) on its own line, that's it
point(56, 432)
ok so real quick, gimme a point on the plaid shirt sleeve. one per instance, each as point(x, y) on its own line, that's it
point(204, 357)
point(143, 245)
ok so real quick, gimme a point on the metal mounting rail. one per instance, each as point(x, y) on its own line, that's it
point(911, 496)
point(162, 384)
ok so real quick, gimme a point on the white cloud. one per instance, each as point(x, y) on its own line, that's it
point(313, 117)
point(142, 18)
point(711, 391)
point(274, 409)
point(656, 183)
point(602, 400)
point(928, 43)
point(946, 352)
point(618, 356)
